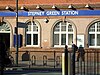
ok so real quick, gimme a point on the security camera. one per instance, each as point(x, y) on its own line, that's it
point(46, 20)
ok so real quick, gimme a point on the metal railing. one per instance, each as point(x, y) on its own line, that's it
point(53, 59)
point(90, 65)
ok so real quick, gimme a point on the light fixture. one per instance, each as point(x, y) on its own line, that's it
point(64, 19)
point(9, 8)
point(24, 8)
point(40, 8)
point(88, 6)
point(46, 20)
point(33, 22)
point(71, 7)
point(37, 7)
point(54, 7)
point(1, 20)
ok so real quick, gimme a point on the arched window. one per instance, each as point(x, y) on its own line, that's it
point(63, 34)
point(33, 34)
point(94, 35)
point(4, 26)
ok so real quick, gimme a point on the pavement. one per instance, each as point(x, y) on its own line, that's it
point(39, 73)
point(32, 71)
point(23, 69)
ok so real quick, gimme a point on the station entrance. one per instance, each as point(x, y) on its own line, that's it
point(5, 37)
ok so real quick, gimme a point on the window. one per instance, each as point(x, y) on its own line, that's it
point(4, 27)
point(94, 35)
point(63, 34)
point(32, 34)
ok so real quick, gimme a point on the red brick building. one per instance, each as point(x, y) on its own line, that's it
point(50, 25)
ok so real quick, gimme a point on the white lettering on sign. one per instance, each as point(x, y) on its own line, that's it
point(69, 12)
point(36, 13)
point(52, 13)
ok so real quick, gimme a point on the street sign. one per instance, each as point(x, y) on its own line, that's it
point(22, 25)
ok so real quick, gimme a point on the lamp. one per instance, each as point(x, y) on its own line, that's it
point(24, 8)
point(40, 8)
point(54, 7)
point(64, 19)
point(33, 22)
point(9, 8)
point(1, 20)
point(37, 7)
point(71, 7)
point(88, 6)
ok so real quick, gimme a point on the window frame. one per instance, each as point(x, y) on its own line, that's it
point(31, 32)
point(63, 32)
point(95, 35)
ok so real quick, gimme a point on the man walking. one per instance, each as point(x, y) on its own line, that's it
point(81, 53)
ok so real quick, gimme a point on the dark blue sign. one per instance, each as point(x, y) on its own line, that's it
point(54, 13)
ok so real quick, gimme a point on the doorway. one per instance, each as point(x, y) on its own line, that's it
point(6, 38)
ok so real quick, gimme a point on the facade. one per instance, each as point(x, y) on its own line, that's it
point(45, 29)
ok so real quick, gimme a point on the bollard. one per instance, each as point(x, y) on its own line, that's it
point(66, 60)
point(63, 63)
point(66, 63)
point(74, 49)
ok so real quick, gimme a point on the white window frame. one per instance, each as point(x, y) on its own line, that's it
point(63, 32)
point(33, 32)
point(95, 33)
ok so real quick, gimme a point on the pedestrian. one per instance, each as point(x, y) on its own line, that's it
point(74, 49)
point(81, 53)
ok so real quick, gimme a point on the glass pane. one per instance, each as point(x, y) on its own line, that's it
point(92, 40)
point(28, 39)
point(63, 39)
point(35, 28)
point(4, 26)
point(29, 26)
point(98, 27)
point(35, 39)
point(92, 28)
point(56, 39)
point(63, 27)
point(57, 27)
point(98, 39)
point(70, 39)
point(70, 29)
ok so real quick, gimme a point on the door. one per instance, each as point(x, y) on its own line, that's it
point(6, 38)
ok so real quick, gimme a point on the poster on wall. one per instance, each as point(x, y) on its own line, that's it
point(80, 40)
